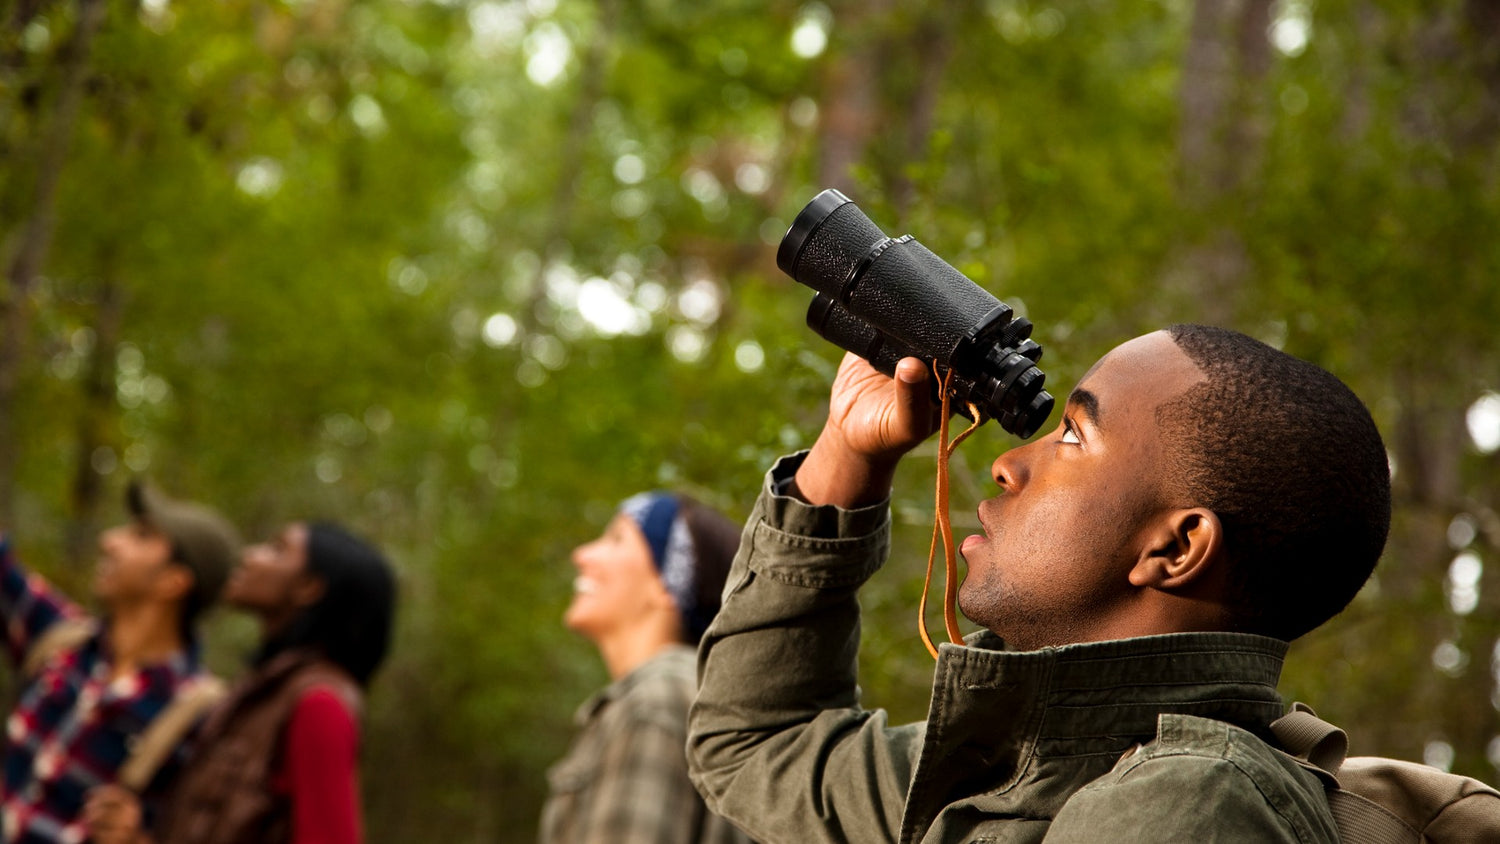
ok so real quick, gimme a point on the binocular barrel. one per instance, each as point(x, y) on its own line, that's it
point(887, 298)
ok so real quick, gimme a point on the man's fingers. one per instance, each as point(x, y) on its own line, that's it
point(110, 808)
point(911, 371)
point(913, 411)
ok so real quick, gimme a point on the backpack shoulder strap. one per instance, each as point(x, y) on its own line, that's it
point(1321, 748)
point(1442, 807)
point(153, 745)
point(66, 634)
point(1361, 819)
point(167, 730)
point(1303, 734)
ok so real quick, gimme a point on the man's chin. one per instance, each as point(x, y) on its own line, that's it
point(965, 607)
point(979, 608)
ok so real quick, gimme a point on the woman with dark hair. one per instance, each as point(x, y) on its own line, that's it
point(644, 593)
point(277, 761)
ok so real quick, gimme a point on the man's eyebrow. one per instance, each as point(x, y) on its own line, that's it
point(1089, 403)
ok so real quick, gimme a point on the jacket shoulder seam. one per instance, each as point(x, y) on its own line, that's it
point(1222, 753)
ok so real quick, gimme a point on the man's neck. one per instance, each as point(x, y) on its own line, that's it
point(143, 634)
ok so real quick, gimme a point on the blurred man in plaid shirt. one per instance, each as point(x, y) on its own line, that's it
point(88, 687)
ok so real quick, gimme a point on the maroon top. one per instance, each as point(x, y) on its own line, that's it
point(319, 771)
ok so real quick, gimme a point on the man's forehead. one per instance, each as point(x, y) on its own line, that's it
point(1151, 367)
point(149, 530)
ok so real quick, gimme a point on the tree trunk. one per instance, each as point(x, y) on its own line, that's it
point(851, 94)
point(1221, 143)
point(571, 159)
point(96, 420)
point(35, 240)
point(1482, 19)
point(1224, 120)
point(1358, 108)
point(932, 43)
point(1454, 106)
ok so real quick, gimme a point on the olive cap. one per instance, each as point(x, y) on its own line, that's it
point(202, 540)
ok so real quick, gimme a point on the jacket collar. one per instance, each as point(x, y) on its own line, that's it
point(997, 717)
point(1119, 687)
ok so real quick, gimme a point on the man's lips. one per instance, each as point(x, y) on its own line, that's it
point(969, 543)
point(987, 518)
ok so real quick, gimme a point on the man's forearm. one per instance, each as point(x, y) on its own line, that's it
point(872, 421)
point(777, 738)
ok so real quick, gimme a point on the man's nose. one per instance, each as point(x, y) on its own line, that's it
point(1010, 469)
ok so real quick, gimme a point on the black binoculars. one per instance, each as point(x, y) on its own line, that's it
point(889, 298)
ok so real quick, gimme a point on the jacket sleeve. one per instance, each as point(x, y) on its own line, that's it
point(28, 605)
point(777, 741)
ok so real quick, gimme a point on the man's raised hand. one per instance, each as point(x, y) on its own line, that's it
point(873, 420)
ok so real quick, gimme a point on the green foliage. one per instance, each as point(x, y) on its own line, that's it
point(464, 276)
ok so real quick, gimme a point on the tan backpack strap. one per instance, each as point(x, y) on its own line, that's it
point(65, 634)
point(1302, 733)
point(167, 730)
point(1363, 820)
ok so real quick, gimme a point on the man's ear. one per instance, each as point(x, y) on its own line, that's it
point(176, 582)
point(1181, 548)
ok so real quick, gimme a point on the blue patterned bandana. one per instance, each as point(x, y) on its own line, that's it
point(659, 518)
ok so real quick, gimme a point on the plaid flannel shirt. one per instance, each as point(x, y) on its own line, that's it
point(73, 722)
point(625, 780)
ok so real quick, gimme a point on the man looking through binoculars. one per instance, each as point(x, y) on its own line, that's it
point(1205, 500)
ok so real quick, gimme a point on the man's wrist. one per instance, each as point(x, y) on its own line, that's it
point(834, 474)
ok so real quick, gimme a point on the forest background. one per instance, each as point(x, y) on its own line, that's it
point(464, 275)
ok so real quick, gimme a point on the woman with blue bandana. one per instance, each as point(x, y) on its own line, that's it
point(644, 593)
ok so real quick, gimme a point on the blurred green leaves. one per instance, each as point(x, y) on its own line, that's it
point(464, 275)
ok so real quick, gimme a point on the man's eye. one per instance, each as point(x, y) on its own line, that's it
point(1069, 435)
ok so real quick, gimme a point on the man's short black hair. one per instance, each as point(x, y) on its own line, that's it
point(1290, 461)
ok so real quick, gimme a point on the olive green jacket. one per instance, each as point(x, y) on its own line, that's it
point(1138, 740)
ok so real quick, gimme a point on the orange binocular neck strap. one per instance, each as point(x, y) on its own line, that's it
point(942, 525)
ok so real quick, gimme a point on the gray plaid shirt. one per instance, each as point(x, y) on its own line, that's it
point(625, 778)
